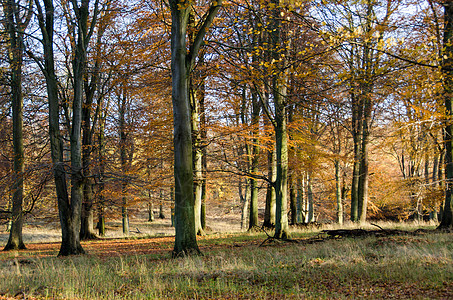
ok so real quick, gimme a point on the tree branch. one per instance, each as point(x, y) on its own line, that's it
point(195, 47)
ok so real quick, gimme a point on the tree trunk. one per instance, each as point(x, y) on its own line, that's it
point(279, 88)
point(181, 66)
point(185, 239)
point(161, 204)
point(203, 132)
point(269, 212)
point(255, 150)
point(101, 150)
point(434, 212)
point(281, 216)
point(300, 201)
point(356, 134)
point(447, 70)
point(338, 193)
point(69, 211)
point(15, 27)
point(310, 201)
point(293, 200)
point(123, 158)
point(150, 212)
point(244, 202)
point(197, 161)
point(87, 230)
point(172, 207)
point(161, 211)
point(364, 178)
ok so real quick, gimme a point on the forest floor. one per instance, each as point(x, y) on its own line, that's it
point(236, 265)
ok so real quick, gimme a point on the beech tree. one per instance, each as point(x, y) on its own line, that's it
point(447, 72)
point(182, 63)
point(69, 206)
point(17, 16)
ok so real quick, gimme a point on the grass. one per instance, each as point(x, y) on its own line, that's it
point(235, 267)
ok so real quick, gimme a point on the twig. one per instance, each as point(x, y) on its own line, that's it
point(378, 227)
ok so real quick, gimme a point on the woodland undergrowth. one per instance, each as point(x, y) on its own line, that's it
point(235, 266)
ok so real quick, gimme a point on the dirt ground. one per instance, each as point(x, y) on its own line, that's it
point(35, 232)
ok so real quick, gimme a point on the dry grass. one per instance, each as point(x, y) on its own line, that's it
point(234, 266)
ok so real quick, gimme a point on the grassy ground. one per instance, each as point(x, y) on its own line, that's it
point(234, 266)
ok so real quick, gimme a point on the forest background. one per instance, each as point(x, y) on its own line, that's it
point(327, 110)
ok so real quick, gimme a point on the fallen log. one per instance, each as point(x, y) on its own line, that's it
point(338, 233)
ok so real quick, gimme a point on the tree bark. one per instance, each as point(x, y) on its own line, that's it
point(101, 185)
point(364, 173)
point(122, 103)
point(279, 88)
point(90, 87)
point(244, 201)
point(254, 159)
point(300, 201)
point(356, 134)
point(204, 159)
point(185, 238)
point(69, 211)
point(447, 70)
point(338, 192)
point(150, 211)
point(182, 63)
point(15, 26)
point(293, 200)
point(269, 211)
point(197, 153)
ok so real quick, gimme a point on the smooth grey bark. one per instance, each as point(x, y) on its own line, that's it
point(362, 106)
point(90, 87)
point(356, 133)
point(434, 216)
point(254, 159)
point(292, 173)
point(185, 238)
point(101, 184)
point(196, 95)
point(204, 162)
point(279, 92)
point(447, 71)
point(150, 210)
point(197, 154)
point(300, 201)
point(269, 211)
point(122, 103)
point(161, 205)
point(244, 202)
point(15, 22)
point(172, 207)
point(338, 193)
point(255, 147)
point(69, 207)
point(310, 201)
point(84, 32)
point(293, 200)
point(182, 62)
point(87, 217)
point(364, 169)
point(161, 211)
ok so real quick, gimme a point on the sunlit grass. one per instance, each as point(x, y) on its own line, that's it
point(234, 266)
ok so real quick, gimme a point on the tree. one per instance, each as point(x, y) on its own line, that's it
point(280, 46)
point(447, 72)
point(94, 85)
point(69, 207)
point(182, 63)
point(16, 21)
